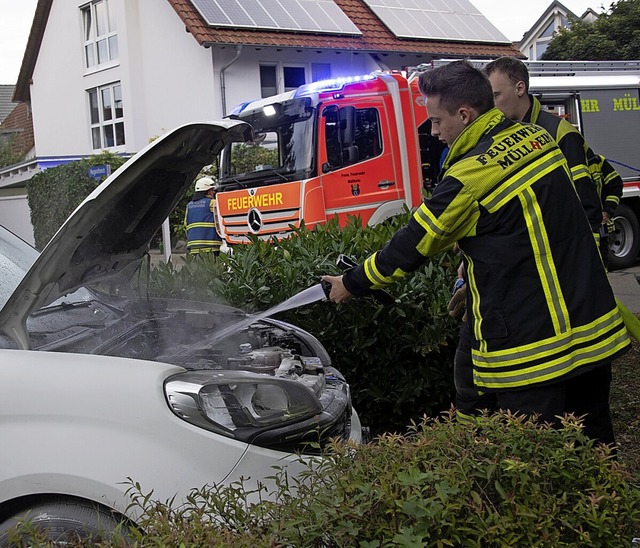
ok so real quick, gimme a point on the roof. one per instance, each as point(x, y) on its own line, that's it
point(546, 15)
point(6, 101)
point(21, 93)
point(375, 38)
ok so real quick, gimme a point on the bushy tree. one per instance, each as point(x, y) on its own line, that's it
point(7, 156)
point(614, 35)
point(54, 193)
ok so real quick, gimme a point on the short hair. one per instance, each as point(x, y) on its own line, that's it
point(458, 84)
point(512, 67)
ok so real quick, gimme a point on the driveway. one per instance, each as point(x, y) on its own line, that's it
point(626, 288)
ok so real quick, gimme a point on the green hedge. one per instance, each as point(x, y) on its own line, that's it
point(511, 483)
point(398, 360)
point(53, 194)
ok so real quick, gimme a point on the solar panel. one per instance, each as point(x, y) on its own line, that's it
point(318, 16)
point(436, 19)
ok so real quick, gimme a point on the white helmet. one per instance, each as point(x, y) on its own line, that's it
point(205, 183)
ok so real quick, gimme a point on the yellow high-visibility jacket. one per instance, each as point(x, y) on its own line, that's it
point(573, 146)
point(540, 305)
point(199, 220)
point(608, 182)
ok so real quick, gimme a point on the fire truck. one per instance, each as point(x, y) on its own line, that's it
point(362, 147)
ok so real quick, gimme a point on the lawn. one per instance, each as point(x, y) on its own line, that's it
point(625, 406)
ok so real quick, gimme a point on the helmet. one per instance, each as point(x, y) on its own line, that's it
point(205, 183)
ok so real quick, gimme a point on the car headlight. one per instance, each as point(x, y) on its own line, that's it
point(239, 404)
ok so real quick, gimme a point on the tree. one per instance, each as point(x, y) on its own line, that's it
point(614, 35)
point(7, 155)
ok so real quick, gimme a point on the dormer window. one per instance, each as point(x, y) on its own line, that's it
point(100, 36)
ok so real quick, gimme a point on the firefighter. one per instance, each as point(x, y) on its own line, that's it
point(535, 344)
point(509, 79)
point(609, 186)
point(199, 219)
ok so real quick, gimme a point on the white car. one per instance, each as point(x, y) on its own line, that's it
point(101, 386)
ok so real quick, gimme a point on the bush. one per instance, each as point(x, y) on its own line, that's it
point(398, 360)
point(53, 194)
point(510, 483)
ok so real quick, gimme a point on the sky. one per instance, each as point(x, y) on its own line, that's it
point(513, 18)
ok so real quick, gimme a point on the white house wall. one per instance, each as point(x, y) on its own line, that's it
point(242, 78)
point(57, 94)
point(167, 75)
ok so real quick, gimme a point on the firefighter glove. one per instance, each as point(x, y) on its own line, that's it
point(457, 306)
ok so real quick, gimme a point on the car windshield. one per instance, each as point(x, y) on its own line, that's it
point(16, 258)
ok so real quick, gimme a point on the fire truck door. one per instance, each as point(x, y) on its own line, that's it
point(356, 158)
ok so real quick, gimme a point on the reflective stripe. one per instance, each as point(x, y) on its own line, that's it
point(554, 357)
point(544, 262)
point(522, 179)
point(378, 281)
point(580, 171)
point(201, 225)
point(556, 368)
point(552, 345)
point(427, 220)
point(205, 242)
point(371, 271)
point(465, 418)
point(476, 316)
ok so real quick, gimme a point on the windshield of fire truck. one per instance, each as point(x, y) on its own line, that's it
point(282, 148)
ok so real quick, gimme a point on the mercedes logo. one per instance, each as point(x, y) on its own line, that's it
point(254, 220)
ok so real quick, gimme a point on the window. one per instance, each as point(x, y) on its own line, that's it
point(100, 36)
point(107, 116)
point(276, 79)
point(541, 47)
point(352, 135)
point(293, 77)
point(268, 82)
point(548, 31)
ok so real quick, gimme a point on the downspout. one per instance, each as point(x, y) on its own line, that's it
point(223, 89)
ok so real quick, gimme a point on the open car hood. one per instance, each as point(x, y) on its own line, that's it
point(114, 225)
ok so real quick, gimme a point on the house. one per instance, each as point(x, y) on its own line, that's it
point(6, 100)
point(114, 74)
point(536, 40)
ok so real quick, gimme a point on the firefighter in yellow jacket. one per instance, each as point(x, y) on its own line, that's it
point(509, 79)
point(199, 219)
point(543, 336)
point(609, 185)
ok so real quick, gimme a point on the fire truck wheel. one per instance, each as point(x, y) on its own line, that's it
point(624, 242)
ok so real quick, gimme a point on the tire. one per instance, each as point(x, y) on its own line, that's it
point(624, 242)
point(63, 521)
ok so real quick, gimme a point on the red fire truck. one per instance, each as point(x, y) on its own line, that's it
point(362, 147)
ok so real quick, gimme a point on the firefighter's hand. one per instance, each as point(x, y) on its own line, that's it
point(458, 304)
point(339, 293)
point(606, 218)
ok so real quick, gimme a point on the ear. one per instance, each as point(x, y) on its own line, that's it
point(520, 88)
point(467, 115)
